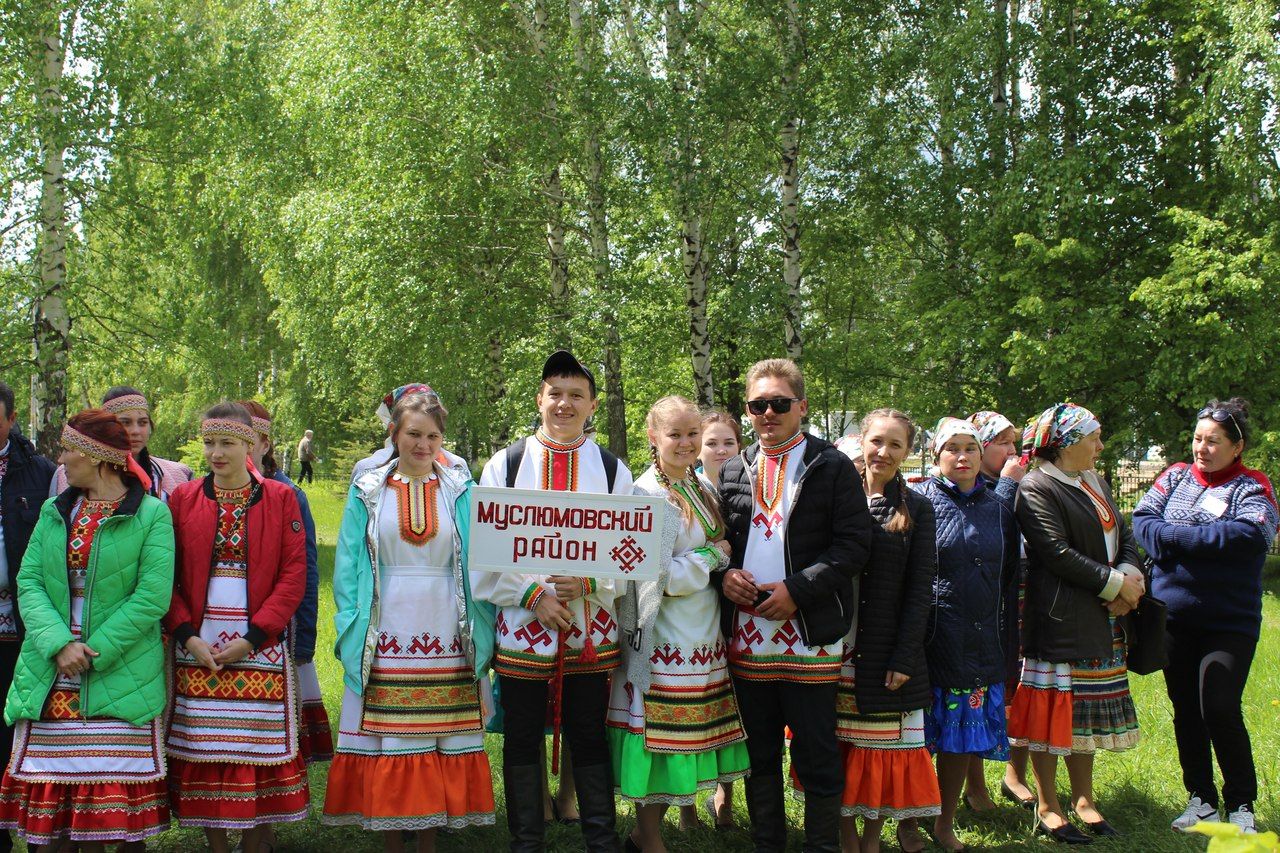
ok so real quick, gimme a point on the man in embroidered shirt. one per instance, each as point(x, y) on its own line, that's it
point(24, 482)
point(534, 611)
point(798, 521)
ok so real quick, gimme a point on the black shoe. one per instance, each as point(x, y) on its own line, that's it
point(523, 786)
point(1100, 828)
point(821, 824)
point(596, 807)
point(767, 812)
point(1028, 803)
point(556, 816)
point(1065, 834)
point(630, 846)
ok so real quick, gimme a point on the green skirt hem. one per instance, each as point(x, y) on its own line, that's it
point(670, 778)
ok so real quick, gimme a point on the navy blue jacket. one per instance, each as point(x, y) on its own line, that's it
point(975, 588)
point(303, 626)
point(23, 492)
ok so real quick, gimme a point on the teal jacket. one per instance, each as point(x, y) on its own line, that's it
point(128, 588)
point(355, 577)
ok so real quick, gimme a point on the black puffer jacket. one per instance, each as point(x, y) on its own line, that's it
point(975, 590)
point(1067, 569)
point(23, 492)
point(827, 535)
point(893, 606)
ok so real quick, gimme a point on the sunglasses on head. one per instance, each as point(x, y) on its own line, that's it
point(1220, 416)
point(780, 405)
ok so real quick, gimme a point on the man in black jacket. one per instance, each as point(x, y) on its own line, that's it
point(798, 521)
point(24, 484)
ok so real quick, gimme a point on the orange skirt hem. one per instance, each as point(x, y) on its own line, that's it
point(1040, 719)
point(896, 783)
point(419, 791)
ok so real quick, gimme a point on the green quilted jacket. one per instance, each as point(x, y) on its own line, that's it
point(129, 587)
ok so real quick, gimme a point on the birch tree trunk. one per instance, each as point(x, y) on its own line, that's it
point(692, 258)
point(51, 321)
point(598, 229)
point(552, 188)
point(789, 138)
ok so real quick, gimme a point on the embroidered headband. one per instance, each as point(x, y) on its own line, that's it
point(228, 427)
point(1057, 426)
point(262, 426)
point(127, 403)
point(73, 439)
point(949, 428)
point(393, 397)
point(990, 424)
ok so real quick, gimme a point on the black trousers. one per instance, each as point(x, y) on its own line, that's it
point(8, 659)
point(585, 701)
point(1205, 680)
point(306, 475)
point(768, 707)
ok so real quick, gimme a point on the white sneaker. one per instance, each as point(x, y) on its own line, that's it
point(1197, 811)
point(1243, 818)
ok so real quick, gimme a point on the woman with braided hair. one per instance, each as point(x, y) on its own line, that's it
point(884, 681)
point(673, 720)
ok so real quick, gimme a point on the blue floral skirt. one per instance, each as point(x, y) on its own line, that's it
point(968, 721)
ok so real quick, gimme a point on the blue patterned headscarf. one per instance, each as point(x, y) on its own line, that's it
point(989, 424)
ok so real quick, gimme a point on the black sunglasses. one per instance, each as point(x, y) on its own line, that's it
point(1221, 416)
point(780, 405)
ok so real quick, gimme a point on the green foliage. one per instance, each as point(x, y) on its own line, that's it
point(1229, 838)
point(310, 202)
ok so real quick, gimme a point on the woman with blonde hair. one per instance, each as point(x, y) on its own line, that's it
point(673, 720)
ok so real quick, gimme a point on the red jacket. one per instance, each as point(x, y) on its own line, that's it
point(277, 558)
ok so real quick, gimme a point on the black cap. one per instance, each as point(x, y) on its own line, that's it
point(562, 363)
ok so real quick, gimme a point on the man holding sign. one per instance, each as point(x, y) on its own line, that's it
point(556, 628)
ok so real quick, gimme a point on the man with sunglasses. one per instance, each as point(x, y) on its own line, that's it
point(800, 529)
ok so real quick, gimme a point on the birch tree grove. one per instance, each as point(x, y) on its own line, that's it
point(943, 208)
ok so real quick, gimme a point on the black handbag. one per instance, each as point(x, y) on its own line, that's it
point(1146, 633)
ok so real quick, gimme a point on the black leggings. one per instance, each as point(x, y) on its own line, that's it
point(524, 714)
point(1205, 680)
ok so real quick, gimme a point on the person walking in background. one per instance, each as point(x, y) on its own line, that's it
point(798, 522)
point(134, 412)
point(1002, 471)
point(88, 764)
point(673, 720)
point(25, 477)
point(884, 680)
point(411, 739)
point(1082, 577)
point(241, 575)
point(978, 547)
point(1207, 527)
point(315, 738)
point(306, 456)
point(534, 610)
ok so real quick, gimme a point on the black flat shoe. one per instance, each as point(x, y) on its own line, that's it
point(1065, 834)
point(1008, 794)
point(563, 821)
point(1100, 828)
point(630, 846)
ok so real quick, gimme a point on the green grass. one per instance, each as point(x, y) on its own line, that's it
point(1140, 791)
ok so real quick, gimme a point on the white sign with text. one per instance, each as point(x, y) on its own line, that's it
point(585, 535)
